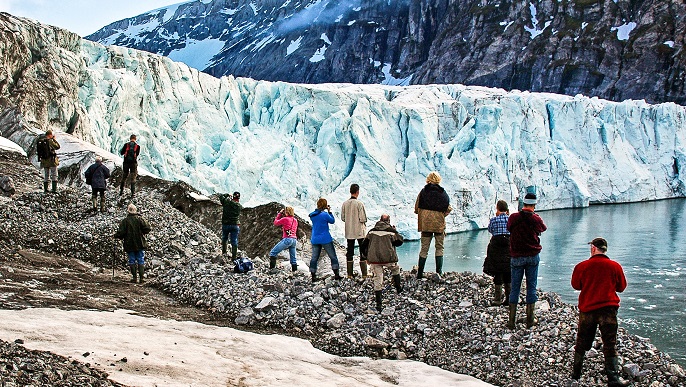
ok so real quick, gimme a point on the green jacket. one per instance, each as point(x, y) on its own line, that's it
point(232, 210)
point(53, 160)
point(132, 230)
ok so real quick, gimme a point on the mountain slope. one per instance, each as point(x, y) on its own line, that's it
point(613, 49)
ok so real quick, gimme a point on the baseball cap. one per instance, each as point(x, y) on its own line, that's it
point(600, 243)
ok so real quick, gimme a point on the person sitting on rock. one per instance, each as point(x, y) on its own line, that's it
point(131, 231)
point(289, 227)
point(321, 238)
point(379, 247)
point(97, 174)
point(497, 262)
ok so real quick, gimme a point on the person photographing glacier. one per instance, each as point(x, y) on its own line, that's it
point(321, 238)
point(355, 218)
point(231, 226)
point(46, 148)
point(289, 239)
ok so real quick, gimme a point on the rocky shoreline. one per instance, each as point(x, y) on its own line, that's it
point(446, 322)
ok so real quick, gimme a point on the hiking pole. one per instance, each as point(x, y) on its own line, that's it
point(114, 255)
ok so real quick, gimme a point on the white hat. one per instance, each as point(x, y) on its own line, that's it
point(131, 209)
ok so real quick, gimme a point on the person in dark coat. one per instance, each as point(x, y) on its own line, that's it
point(132, 230)
point(130, 152)
point(231, 227)
point(97, 174)
point(432, 206)
point(379, 248)
point(497, 262)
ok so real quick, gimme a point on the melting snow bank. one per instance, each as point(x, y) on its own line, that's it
point(143, 351)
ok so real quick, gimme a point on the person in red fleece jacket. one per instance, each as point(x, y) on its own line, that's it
point(599, 279)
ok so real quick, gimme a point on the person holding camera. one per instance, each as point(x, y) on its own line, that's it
point(321, 238)
point(289, 227)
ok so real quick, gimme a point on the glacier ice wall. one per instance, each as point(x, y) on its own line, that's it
point(294, 143)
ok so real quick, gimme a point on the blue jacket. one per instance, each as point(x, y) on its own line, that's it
point(320, 227)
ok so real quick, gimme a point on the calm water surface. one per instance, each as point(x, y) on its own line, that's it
point(646, 238)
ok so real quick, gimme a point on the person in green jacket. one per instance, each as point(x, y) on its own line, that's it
point(132, 230)
point(46, 149)
point(230, 221)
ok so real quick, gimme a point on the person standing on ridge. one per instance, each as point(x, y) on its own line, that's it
point(497, 262)
point(289, 225)
point(432, 206)
point(132, 230)
point(96, 176)
point(355, 219)
point(379, 247)
point(231, 225)
point(321, 238)
point(599, 279)
point(46, 147)
point(525, 228)
point(130, 152)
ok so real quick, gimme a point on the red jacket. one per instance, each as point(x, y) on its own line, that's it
point(525, 227)
point(600, 279)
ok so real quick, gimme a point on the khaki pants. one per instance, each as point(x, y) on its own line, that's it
point(426, 243)
point(377, 269)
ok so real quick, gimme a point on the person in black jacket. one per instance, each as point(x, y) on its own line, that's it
point(131, 231)
point(231, 225)
point(97, 174)
point(379, 248)
point(130, 152)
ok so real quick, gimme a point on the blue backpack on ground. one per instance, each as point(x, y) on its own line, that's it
point(242, 265)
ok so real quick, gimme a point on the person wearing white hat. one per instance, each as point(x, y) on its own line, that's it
point(131, 231)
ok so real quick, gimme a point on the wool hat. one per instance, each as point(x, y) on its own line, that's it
point(600, 243)
point(530, 198)
point(131, 209)
point(236, 195)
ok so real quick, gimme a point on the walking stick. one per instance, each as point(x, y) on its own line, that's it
point(114, 255)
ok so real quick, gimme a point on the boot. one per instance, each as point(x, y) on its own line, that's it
point(336, 275)
point(350, 269)
point(134, 270)
point(497, 295)
point(439, 264)
point(363, 268)
point(612, 372)
point(234, 252)
point(141, 270)
point(102, 204)
point(377, 295)
point(121, 188)
point(272, 262)
point(95, 203)
point(512, 317)
point(294, 267)
point(396, 283)
point(54, 186)
point(531, 319)
point(508, 287)
point(314, 277)
point(45, 186)
point(133, 188)
point(420, 268)
point(577, 365)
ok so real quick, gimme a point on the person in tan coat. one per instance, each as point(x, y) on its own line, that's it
point(432, 206)
point(355, 219)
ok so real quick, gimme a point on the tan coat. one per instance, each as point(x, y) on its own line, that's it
point(51, 161)
point(428, 220)
point(355, 219)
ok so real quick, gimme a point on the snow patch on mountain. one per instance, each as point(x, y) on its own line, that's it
point(197, 53)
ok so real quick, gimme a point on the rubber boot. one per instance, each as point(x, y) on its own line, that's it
point(363, 268)
point(234, 252)
point(134, 271)
point(350, 269)
point(512, 317)
point(439, 264)
point(314, 277)
point(497, 295)
point(54, 186)
point(508, 287)
point(95, 204)
point(141, 270)
point(396, 283)
point(102, 204)
point(224, 245)
point(612, 372)
point(294, 267)
point(531, 319)
point(377, 295)
point(121, 188)
point(420, 267)
point(577, 365)
point(336, 275)
point(45, 186)
point(272, 262)
point(133, 188)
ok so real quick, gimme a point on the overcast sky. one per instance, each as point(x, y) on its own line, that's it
point(81, 16)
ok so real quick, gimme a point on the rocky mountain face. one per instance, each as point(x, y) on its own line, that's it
point(613, 49)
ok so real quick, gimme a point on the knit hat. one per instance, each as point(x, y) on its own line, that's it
point(131, 209)
point(600, 243)
point(530, 198)
point(236, 195)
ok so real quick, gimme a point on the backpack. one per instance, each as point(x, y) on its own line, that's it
point(242, 265)
point(130, 153)
point(43, 148)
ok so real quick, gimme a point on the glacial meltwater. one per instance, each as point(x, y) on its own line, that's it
point(648, 239)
